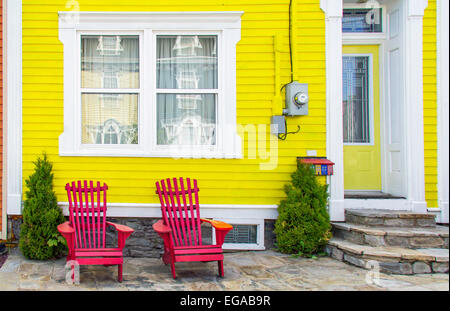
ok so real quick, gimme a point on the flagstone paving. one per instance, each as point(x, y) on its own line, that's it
point(261, 270)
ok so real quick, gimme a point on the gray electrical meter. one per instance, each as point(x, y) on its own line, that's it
point(297, 99)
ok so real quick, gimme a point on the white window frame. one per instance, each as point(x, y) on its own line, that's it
point(220, 108)
point(225, 25)
point(371, 99)
point(139, 91)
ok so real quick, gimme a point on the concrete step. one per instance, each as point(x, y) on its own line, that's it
point(406, 237)
point(395, 260)
point(389, 218)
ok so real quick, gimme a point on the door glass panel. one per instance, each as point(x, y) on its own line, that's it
point(362, 20)
point(356, 114)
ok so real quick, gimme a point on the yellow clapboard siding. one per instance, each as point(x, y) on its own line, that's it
point(430, 103)
point(226, 181)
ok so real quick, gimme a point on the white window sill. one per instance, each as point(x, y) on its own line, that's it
point(160, 154)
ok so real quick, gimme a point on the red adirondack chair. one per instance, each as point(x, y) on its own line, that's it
point(180, 225)
point(85, 231)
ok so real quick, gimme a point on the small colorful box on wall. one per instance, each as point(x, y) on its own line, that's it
point(322, 166)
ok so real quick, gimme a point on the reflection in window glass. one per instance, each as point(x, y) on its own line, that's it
point(356, 99)
point(186, 119)
point(186, 62)
point(110, 62)
point(109, 119)
point(362, 20)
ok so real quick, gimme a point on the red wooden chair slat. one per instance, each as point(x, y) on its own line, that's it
point(211, 250)
point(180, 226)
point(188, 226)
point(85, 231)
point(180, 211)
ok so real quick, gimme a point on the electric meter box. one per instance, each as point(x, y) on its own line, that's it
point(297, 99)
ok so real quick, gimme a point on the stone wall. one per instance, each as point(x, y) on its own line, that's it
point(145, 242)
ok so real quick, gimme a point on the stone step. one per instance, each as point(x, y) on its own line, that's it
point(395, 260)
point(389, 218)
point(425, 237)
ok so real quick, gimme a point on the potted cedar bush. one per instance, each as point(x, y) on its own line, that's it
point(303, 225)
point(39, 237)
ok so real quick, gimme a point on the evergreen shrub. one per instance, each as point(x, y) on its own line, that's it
point(303, 226)
point(39, 237)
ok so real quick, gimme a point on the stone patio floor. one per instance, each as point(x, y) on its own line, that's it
point(244, 271)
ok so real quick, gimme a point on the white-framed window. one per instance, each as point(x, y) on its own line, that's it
point(150, 84)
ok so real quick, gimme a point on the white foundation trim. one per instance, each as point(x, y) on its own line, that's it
point(13, 105)
point(216, 211)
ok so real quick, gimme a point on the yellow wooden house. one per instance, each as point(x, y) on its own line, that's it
point(231, 93)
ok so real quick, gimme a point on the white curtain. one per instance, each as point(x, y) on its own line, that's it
point(109, 62)
point(186, 63)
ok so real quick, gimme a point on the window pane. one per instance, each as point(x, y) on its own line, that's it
point(186, 119)
point(356, 99)
point(109, 119)
point(110, 62)
point(186, 62)
point(362, 20)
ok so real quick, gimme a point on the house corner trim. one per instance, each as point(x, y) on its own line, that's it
point(333, 51)
point(414, 97)
point(13, 105)
point(442, 15)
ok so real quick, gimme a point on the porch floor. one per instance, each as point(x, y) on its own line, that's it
point(353, 194)
point(254, 270)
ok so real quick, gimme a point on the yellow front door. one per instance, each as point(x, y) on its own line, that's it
point(361, 118)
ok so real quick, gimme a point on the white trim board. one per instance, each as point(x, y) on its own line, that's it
point(3, 234)
point(443, 107)
point(13, 105)
point(335, 150)
point(216, 211)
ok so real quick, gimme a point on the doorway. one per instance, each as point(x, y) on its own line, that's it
point(361, 121)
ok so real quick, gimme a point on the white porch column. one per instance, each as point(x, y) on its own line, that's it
point(442, 107)
point(333, 45)
point(13, 105)
point(415, 162)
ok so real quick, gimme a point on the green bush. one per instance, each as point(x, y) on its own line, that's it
point(303, 225)
point(39, 237)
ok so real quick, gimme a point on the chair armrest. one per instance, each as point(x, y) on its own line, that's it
point(222, 229)
point(120, 228)
point(123, 232)
point(65, 228)
point(161, 228)
point(68, 232)
point(218, 225)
